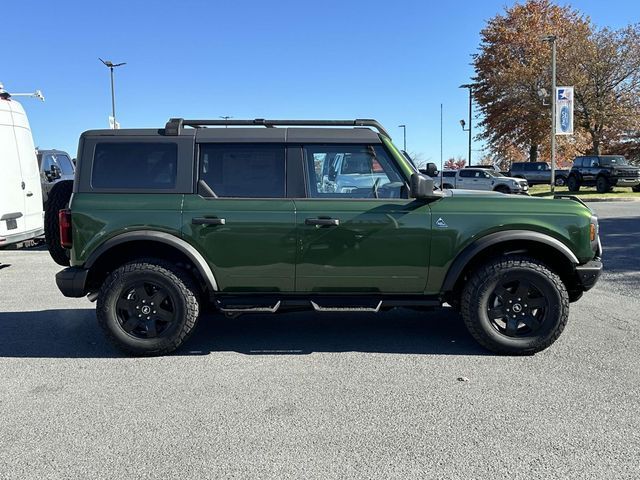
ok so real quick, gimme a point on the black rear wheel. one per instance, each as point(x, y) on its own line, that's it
point(561, 181)
point(515, 305)
point(148, 307)
point(636, 188)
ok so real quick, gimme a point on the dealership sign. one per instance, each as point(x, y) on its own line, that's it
point(564, 111)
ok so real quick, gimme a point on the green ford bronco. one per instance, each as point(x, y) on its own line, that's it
point(164, 222)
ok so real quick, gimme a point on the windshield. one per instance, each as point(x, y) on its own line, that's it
point(493, 173)
point(610, 161)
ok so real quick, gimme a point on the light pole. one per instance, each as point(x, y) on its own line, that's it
point(470, 87)
point(111, 66)
point(552, 40)
point(404, 136)
point(225, 117)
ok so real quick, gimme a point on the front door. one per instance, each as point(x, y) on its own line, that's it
point(241, 220)
point(360, 232)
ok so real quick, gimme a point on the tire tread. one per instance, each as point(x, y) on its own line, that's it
point(493, 268)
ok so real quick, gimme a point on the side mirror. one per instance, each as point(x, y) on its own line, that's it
point(421, 186)
point(431, 170)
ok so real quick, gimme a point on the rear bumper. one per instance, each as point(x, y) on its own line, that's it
point(20, 237)
point(72, 281)
point(588, 274)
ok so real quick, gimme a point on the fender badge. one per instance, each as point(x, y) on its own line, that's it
point(441, 223)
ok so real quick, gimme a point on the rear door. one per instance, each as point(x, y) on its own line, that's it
point(12, 199)
point(363, 237)
point(240, 219)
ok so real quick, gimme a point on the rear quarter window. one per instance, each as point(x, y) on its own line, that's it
point(151, 166)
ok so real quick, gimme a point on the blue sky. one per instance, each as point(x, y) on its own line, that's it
point(393, 61)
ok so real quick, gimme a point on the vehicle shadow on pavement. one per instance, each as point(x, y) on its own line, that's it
point(75, 334)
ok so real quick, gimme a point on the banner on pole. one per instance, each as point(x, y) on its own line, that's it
point(564, 110)
point(113, 125)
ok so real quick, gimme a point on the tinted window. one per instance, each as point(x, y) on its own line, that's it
point(135, 165)
point(48, 162)
point(352, 171)
point(516, 167)
point(577, 162)
point(468, 173)
point(448, 174)
point(65, 164)
point(243, 170)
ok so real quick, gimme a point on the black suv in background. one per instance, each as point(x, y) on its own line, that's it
point(604, 172)
point(537, 173)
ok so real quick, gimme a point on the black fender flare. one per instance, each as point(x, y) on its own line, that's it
point(475, 248)
point(162, 237)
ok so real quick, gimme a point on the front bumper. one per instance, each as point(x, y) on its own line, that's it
point(589, 273)
point(72, 281)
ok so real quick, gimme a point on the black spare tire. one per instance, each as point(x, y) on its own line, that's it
point(59, 198)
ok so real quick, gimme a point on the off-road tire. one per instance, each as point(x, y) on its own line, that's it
point(185, 294)
point(573, 184)
point(603, 185)
point(502, 189)
point(636, 188)
point(481, 286)
point(59, 197)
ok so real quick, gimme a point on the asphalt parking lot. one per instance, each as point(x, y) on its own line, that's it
point(333, 396)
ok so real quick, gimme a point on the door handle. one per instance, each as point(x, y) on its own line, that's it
point(29, 194)
point(208, 221)
point(322, 222)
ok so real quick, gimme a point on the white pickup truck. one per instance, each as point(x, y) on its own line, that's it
point(483, 179)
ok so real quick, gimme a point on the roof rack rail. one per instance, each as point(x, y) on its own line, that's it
point(175, 125)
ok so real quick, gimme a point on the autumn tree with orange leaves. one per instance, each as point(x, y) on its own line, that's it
point(514, 65)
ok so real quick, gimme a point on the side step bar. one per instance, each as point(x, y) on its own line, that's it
point(273, 309)
point(318, 308)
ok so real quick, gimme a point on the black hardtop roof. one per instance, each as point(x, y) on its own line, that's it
point(247, 131)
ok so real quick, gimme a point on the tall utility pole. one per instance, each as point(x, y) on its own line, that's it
point(226, 117)
point(470, 87)
point(441, 158)
point(552, 40)
point(404, 136)
point(111, 66)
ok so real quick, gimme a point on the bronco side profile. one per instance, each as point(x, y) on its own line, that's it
point(324, 215)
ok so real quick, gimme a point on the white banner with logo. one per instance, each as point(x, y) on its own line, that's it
point(564, 110)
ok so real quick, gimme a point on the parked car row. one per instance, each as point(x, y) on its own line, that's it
point(603, 172)
point(478, 178)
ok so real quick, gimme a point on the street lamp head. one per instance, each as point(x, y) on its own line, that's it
point(463, 123)
point(466, 85)
point(548, 38)
point(110, 64)
point(542, 92)
point(402, 126)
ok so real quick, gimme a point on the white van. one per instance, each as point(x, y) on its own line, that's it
point(21, 215)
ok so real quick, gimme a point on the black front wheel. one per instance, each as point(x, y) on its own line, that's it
point(148, 307)
point(636, 188)
point(603, 185)
point(515, 305)
point(573, 184)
